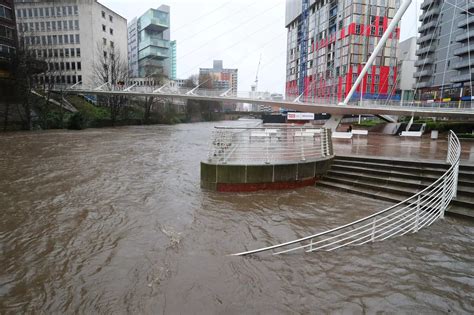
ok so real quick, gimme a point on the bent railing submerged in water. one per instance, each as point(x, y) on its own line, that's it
point(408, 216)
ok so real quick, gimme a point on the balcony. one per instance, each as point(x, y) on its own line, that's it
point(153, 42)
point(464, 50)
point(426, 38)
point(421, 85)
point(432, 12)
point(423, 62)
point(468, 77)
point(428, 25)
point(152, 52)
point(465, 22)
point(463, 64)
point(427, 3)
point(154, 21)
point(423, 73)
point(425, 50)
point(465, 37)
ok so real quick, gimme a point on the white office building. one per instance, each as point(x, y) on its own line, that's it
point(72, 36)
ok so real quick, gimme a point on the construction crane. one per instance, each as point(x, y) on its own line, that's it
point(254, 87)
point(303, 41)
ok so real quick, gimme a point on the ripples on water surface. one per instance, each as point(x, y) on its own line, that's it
point(114, 221)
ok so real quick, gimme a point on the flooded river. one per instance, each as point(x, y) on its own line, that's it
point(113, 221)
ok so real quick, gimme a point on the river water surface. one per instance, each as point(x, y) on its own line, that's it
point(114, 221)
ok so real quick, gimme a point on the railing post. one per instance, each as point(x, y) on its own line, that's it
point(417, 218)
point(455, 184)
point(449, 149)
point(372, 238)
point(323, 144)
point(443, 199)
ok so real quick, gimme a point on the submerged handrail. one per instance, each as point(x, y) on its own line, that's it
point(409, 215)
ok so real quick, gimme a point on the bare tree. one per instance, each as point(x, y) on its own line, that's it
point(111, 69)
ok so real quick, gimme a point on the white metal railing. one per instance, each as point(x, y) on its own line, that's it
point(268, 145)
point(408, 216)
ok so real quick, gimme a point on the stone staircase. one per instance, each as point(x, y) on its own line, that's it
point(395, 180)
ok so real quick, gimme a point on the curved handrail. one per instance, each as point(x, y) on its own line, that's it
point(411, 214)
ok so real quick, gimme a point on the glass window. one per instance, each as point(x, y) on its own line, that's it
point(53, 25)
point(66, 39)
point(60, 39)
point(79, 66)
point(46, 12)
point(78, 39)
point(73, 52)
point(76, 10)
point(65, 25)
point(60, 25)
point(103, 14)
point(69, 10)
point(71, 38)
point(78, 54)
point(111, 32)
point(71, 24)
point(103, 28)
point(111, 18)
point(35, 12)
point(64, 11)
point(41, 12)
point(76, 24)
point(58, 11)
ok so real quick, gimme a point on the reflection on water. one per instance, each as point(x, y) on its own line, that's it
point(114, 221)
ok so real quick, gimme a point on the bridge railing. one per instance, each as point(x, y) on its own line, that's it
point(268, 145)
point(408, 216)
point(248, 96)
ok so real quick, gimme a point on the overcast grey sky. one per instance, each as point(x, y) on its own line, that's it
point(236, 31)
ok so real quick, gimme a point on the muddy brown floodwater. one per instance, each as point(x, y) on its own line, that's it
point(114, 221)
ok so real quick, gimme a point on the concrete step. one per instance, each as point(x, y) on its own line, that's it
point(456, 207)
point(407, 166)
point(465, 181)
point(419, 183)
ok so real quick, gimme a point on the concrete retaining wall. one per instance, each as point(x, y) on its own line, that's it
point(234, 178)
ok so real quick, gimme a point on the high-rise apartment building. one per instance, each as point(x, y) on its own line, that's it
point(444, 66)
point(7, 37)
point(71, 36)
point(406, 68)
point(149, 43)
point(324, 60)
point(173, 74)
point(220, 78)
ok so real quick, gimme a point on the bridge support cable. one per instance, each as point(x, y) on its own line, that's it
point(378, 48)
point(408, 216)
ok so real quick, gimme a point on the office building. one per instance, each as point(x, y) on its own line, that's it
point(8, 37)
point(329, 42)
point(444, 66)
point(220, 78)
point(406, 68)
point(71, 36)
point(149, 46)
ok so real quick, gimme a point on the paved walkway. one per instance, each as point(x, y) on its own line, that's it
point(402, 147)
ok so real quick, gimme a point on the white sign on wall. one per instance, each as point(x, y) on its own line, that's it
point(300, 116)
